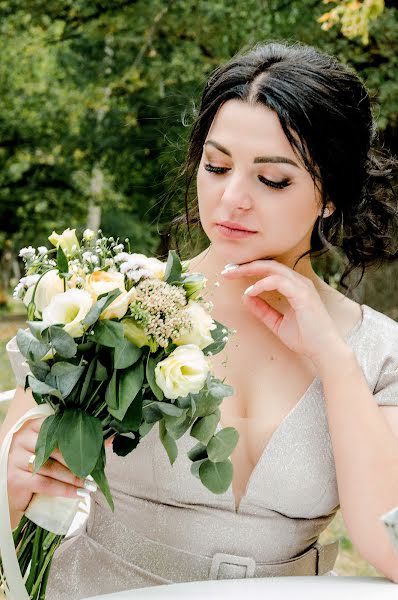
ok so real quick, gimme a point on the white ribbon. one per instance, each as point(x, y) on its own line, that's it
point(14, 583)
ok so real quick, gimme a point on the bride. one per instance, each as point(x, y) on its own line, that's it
point(283, 159)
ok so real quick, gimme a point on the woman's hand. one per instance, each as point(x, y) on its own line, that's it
point(54, 478)
point(306, 327)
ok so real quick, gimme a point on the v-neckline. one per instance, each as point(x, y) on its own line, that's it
point(237, 509)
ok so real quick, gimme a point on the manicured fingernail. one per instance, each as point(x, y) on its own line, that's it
point(229, 267)
point(89, 478)
point(82, 493)
point(90, 486)
point(248, 290)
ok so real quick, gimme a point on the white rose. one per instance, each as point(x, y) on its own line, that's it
point(118, 308)
point(183, 372)
point(202, 324)
point(49, 285)
point(67, 240)
point(69, 309)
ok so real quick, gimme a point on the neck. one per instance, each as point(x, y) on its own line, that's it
point(231, 290)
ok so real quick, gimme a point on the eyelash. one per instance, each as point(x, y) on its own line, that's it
point(278, 185)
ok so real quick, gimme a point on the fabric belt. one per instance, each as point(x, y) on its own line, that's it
point(178, 566)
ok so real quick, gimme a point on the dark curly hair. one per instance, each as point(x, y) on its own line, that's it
point(324, 110)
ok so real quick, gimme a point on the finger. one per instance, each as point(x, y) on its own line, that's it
point(40, 484)
point(265, 313)
point(51, 468)
point(263, 267)
point(274, 282)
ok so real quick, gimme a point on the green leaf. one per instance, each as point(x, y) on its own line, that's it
point(206, 404)
point(195, 467)
point(64, 376)
point(101, 374)
point(133, 417)
point(129, 384)
point(41, 388)
point(145, 428)
point(30, 347)
point(62, 342)
point(124, 444)
point(62, 262)
point(39, 369)
point(87, 380)
point(204, 428)
point(126, 355)
point(103, 301)
point(108, 333)
point(98, 474)
point(217, 335)
point(169, 444)
point(47, 440)
point(38, 328)
point(222, 444)
point(217, 477)
point(150, 375)
point(173, 268)
point(177, 426)
point(111, 392)
point(198, 452)
point(80, 441)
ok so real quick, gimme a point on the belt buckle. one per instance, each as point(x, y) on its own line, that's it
point(231, 559)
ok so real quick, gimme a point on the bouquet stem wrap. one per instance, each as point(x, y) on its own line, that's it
point(52, 514)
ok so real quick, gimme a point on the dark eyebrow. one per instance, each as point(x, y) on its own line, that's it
point(257, 159)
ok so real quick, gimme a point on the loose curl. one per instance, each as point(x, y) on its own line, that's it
point(325, 113)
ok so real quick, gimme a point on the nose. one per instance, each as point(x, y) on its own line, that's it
point(236, 192)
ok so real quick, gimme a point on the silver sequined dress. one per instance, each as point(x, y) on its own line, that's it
point(167, 527)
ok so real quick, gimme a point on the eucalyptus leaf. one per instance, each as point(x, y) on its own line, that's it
point(133, 417)
point(43, 389)
point(168, 443)
point(195, 467)
point(126, 355)
point(103, 301)
point(30, 347)
point(150, 375)
point(64, 376)
point(98, 474)
point(204, 428)
point(151, 412)
point(177, 426)
point(217, 477)
point(47, 440)
point(145, 428)
point(198, 452)
point(80, 441)
point(123, 444)
point(108, 333)
point(222, 444)
point(173, 268)
point(101, 374)
point(39, 369)
point(38, 328)
point(62, 342)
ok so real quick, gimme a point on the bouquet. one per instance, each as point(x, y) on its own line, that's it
point(116, 342)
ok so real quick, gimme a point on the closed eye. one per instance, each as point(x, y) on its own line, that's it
point(273, 184)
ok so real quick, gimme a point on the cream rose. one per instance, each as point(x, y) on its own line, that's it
point(202, 324)
point(102, 282)
point(49, 285)
point(69, 309)
point(67, 240)
point(183, 372)
point(118, 308)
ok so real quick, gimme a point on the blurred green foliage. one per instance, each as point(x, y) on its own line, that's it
point(97, 98)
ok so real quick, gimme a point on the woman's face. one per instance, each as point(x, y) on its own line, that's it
point(258, 183)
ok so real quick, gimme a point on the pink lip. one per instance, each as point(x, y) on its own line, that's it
point(234, 233)
point(233, 225)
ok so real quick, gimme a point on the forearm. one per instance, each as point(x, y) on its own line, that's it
point(366, 457)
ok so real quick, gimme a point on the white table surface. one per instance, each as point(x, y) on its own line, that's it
point(267, 588)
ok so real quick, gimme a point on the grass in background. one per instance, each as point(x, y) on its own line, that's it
point(348, 562)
